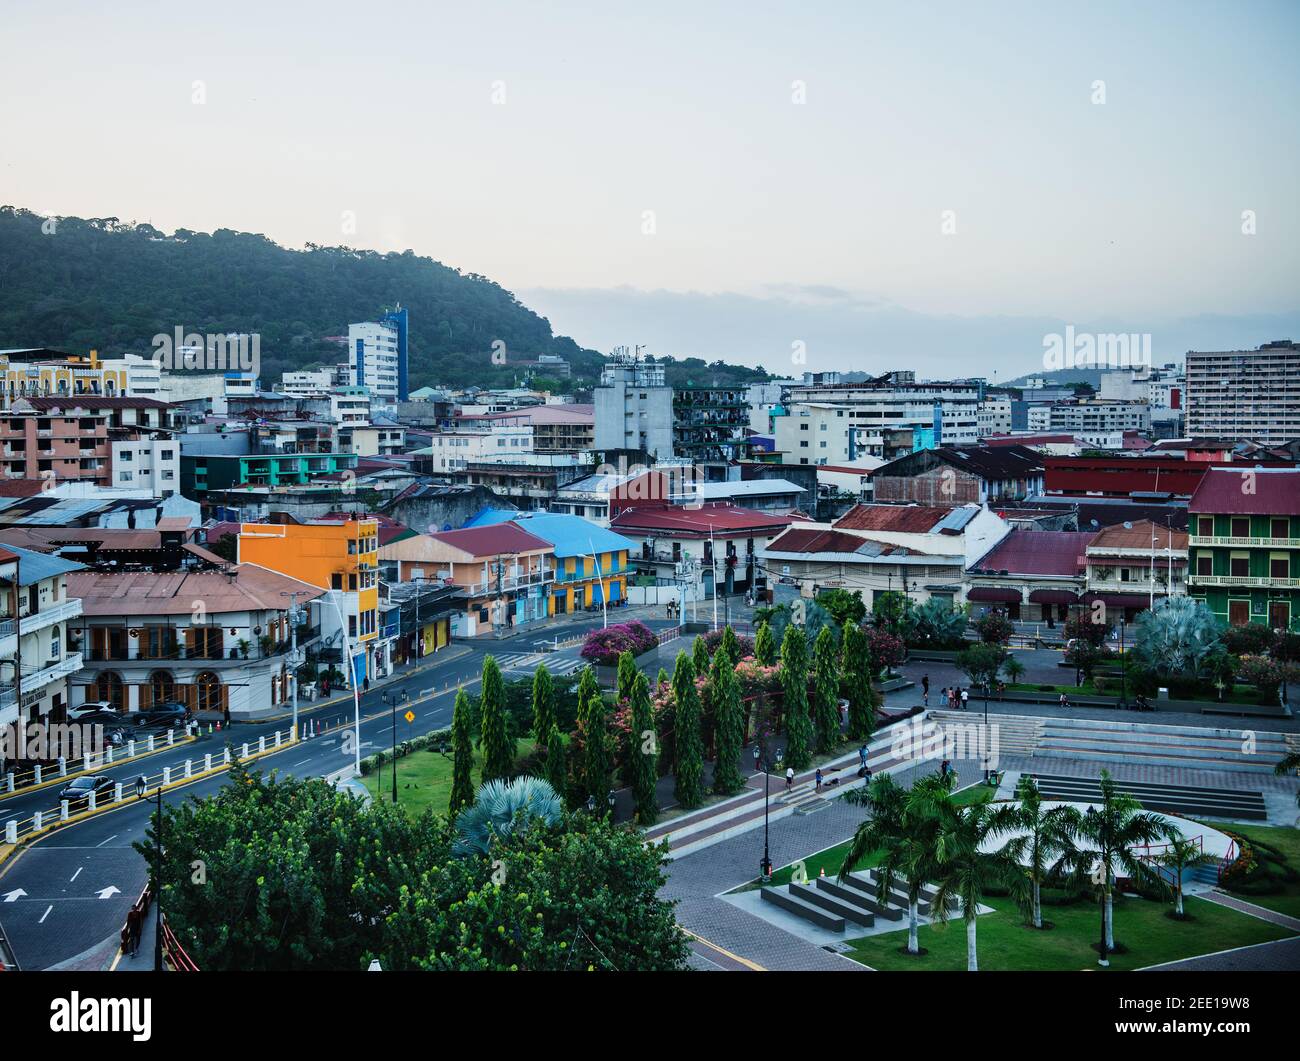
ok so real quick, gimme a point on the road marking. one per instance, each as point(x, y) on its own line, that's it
point(103, 842)
point(46, 914)
point(304, 761)
point(76, 875)
point(723, 950)
point(109, 892)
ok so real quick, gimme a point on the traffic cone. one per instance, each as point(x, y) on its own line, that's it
point(218, 725)
point(823, 872)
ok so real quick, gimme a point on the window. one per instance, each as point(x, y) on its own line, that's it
point(336, 581)
point(1279, 566)
point(1241, 526)
point(1239, 566)
point(1204, 564)
point(1281, 528)
point(352, 626)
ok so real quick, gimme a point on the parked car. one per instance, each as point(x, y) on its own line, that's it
point(93, 707)
point(167, 713)
point(79, 789)
point(100, 718)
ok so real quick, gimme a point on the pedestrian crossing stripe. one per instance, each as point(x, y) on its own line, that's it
point(529, 661)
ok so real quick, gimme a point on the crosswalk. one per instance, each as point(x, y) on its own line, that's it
point(528, 661)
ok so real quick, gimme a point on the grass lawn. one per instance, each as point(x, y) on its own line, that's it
point(1287, 842)
point(424, 779)
point(1005, 943)
point(831, 858)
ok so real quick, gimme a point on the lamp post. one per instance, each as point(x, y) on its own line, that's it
point(610, 800)
point(1123, 674)
point(392, 700)
point(293, 652)
point(765, 864)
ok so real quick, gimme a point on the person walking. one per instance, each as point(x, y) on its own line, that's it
point(365, 684)
point(819, 779)
point(965, 699)
point(789, 778)
point(925, 690)
point(862, 756)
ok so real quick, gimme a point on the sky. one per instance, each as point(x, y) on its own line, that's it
point(932, 183)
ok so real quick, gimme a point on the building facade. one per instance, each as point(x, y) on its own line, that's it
point(1245, 394)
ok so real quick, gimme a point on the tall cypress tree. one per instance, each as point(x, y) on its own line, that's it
point(627, 673)
point(644, 754)
point(857, 680)
point(496, 746)
point(587, 688)
point(730, 645)
point(596, 766)
point(662, 679)
point(543, 705)
point(557, 767)
point(462, 750)
point(727, 722)
point(700, 657)
point(689, 767)
point(826, 688)
point(765, 646)
point(794, 683)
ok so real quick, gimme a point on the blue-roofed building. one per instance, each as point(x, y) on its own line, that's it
point(36, 660)
point(591, 562)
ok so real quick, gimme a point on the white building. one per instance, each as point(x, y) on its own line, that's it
point(35, 610)
point(1245, 394)
point(634, 407)
point(373, 359)
point(312, 383)
point(993, 417)
point(152, 464)
point(450, 451)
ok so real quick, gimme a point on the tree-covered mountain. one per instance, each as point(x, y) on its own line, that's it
point(78, 284)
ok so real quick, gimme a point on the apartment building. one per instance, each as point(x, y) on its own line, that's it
point(71, 444)
point(530, 480)
point(960, 475)
point(339, 556)
point(1130, 567)
point(377, 356)
point(633, 407)
point(452, 451)
point(709, 423)
point(38, 659)
point(1090, 418)
point(204, 472)
point(562, 427)
point(311, 383)
point(1245, 394)
point(40, 372)
point(1245, 545)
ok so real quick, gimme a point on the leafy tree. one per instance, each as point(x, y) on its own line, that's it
point(588, 689)
point(689, 766)
point(501, 809)
point(1175, 638)
point(966, 870)
point(1014, 668)
point(662, 678)
point(937, 625)
point(1088, 626)
point(557, 766)
point(847, 608)
point(730, 645)
point(728, 723)
point(794, 683)
point(498, 749)
point(543, 703)
point(1107, 835)
point(858, 673)
point(886, 650)
point(643, 760)
point(982, 663)
point(627, 672)
point(826, 688)
point(765, 646)
point(1287, 766)
point(462, 752)
point(1250, 639)
point(894, 611)
point(994, 628)
point(700, 657)
point(1043, 845)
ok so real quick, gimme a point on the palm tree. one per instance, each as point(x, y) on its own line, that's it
point(1288, 765)
point(965, 870)
point(903, 831)
point(1179, 856)
point(501, 808)
point(1110, 833)
point(1042, 847)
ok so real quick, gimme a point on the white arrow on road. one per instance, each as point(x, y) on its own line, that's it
point(109, 892)
point(14, 896)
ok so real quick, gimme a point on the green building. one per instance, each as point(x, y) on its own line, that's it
point(227, 471)
point(1244, 545)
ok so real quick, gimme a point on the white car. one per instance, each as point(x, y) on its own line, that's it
point(91, 707)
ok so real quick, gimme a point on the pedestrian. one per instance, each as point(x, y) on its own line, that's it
point(862, 755)
point(952, 699)
point(133, 923)
point(944, 767)
point(365, 684)
point(965, 699)
point(819, 779)
point(789, 778)
point(925, 690)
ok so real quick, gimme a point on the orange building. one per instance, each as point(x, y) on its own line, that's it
point(339, 556)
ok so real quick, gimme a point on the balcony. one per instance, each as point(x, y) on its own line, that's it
point(1245, 581)
point(510, 582)
point(56, 613)
point(1258, 543)
point(38, 679)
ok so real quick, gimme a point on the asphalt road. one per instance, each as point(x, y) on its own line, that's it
point(68, 893)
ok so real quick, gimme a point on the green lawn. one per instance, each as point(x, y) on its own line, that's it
point(424, 779)
point(1005, 943)
point(831, 858)
point(1287, 842)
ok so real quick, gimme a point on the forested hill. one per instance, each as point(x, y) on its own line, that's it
point(99, 283)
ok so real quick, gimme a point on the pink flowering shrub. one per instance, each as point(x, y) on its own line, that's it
point(603, 647)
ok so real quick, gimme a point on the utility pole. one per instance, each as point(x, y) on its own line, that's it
point(293, 652)
point(713, 570)
point(499, 600)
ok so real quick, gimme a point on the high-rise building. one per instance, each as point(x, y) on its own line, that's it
point(377, 356)
point(1245, 394)
point(634, 407)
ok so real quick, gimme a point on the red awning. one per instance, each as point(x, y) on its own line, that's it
point(1053, 596)
point(1118, 600)
point(993, 595)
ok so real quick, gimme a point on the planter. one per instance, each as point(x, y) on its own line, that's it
point(893, 684)
point(933, 655)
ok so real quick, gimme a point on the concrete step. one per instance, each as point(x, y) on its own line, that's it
point(850, 910)
point(1172, 799)
point(853, 890)
point(1150, 757)
point(811, 806)
point(795, 905)
point(1198, 741)
point(897, 895)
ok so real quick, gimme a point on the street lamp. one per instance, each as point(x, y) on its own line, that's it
point(1123, 679)
point(610, 799)
point(765, 864)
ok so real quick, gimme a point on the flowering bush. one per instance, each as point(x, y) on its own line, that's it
point(714, 638)
point(603, 647)
point(887, 650)
point(754, 678)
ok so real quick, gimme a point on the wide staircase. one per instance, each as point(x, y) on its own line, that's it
point(858, 899)
point(1183, 800)
point(1015, 734)
point(804, 798)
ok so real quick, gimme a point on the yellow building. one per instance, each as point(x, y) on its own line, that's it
point(341, 556)
point(50, 374)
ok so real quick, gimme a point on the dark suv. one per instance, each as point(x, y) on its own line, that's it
point(168, 713)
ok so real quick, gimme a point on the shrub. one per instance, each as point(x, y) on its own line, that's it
point(1251, 639)
point(603, 647)
point(714, 638)
point(1263, 673)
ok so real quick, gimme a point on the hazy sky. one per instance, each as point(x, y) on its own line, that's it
point(527, 141)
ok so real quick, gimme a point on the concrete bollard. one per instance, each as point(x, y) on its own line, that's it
point(117, 792)
point(277, 738)
point(36, 774)
point(171, 737)
point(63, 810)
point(225, 756)
point(148, 743)
point(90, 801)
point(261, 744)
point(38, 821)
point(9, 781)
point(167, 775)
point(63, 766)
point(11, 832)
point(188, 768)
point(244, 753)
point(130, 748)
point(108, 754)
point(207, 762)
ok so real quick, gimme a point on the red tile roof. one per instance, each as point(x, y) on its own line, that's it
point(677, 519)
point(1248, 492)
point(1138, 537)
point(1036, 552)
point(808, 540)
point(917, 519)
point(493, 540)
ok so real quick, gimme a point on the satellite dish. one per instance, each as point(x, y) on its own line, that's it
point(1093, 522)
point(1128, 525)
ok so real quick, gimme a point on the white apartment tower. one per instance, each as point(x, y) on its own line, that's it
point(1245, 394)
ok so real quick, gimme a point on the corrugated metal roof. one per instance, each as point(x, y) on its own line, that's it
point(572, 535)
point(33, 567)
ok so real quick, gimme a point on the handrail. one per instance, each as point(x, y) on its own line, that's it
point(1229, 857)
